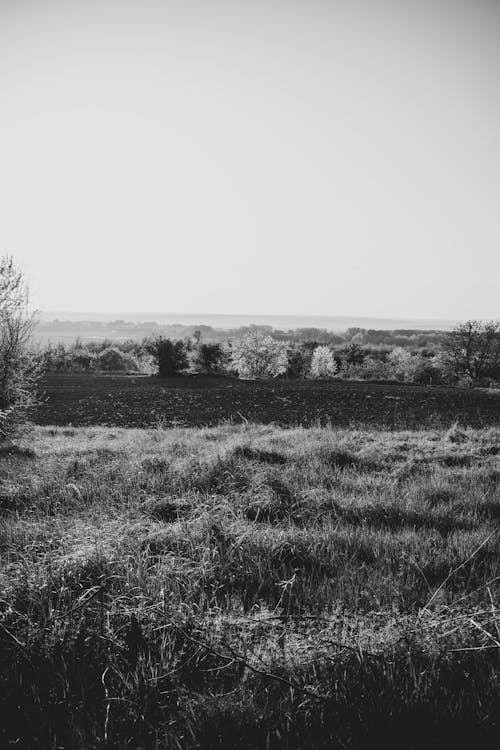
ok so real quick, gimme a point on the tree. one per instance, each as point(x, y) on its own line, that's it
point(170, 356)
point(402, 363)
point(209, 358)
point(323, 364)
point(354, 354)
point(299, 361)
point(259, 356)
point(19, 369)
point(474, 349)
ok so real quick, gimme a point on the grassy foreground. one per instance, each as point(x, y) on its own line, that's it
point(250, 586)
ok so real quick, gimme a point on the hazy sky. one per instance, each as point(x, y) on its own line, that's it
point(251, 156)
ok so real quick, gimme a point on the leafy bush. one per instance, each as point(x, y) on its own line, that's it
point(401, 362)
point(259, 356)
point(354, 354)
point(209, 358)
point(426, 373)
point(323, 364)
point(114, 360)
point(299, 361)
point(170, 356)
point(370, 369)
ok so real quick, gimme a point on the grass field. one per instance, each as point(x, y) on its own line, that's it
point(120, 400)
point(250, 586)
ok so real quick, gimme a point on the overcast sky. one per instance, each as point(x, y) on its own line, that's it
point(253, 156)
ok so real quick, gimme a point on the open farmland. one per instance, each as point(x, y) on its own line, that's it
point(125, 401)
point(248, 586)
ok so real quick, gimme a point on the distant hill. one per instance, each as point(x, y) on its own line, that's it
point(65, 327)
point(283, 322)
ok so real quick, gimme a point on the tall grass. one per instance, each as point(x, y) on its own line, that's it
point(250, 586)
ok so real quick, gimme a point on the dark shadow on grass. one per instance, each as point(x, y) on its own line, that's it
point(166, 510)
point(393, 518)
point(259, 455)
point(339, 459)
point(440, 497)
point(17, 450)
point(456, 461)
point(491, 450)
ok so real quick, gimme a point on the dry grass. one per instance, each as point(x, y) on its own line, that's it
point(249, 586)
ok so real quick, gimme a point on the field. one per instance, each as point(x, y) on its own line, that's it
point(246, 585)
point(83, 400)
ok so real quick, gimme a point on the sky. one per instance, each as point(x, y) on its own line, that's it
point(321, 157)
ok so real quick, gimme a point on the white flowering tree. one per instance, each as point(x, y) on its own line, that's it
point(402, 363)
point(259, 356)
point(323, 364)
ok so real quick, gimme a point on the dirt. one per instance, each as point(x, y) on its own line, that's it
point(134, 401)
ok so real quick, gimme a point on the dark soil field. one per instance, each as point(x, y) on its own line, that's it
point(131, 401)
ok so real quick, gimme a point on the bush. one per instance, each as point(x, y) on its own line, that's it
point(259, 356)
point(401, 363)
point(114, 360)
point(370, 369)
point(323, 364)
point(354, 354)
point(170, 356)
point(425, 372)
point(209, 358)
point(55, 358)
point(299, 361)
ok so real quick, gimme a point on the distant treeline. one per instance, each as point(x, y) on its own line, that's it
point(61, 331)
point(470, 354)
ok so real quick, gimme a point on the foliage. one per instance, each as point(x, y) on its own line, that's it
point(19, 367)
point(410, 362)
point(94, 357)
point(299, 361)
point(444, 363)
point(112, 359)
point(354, 353)
point(474, 348)
point(323, 364)
point(209, 358)
point(258, 355)
point(426, 372)
point(170, 356)
point(402, 363)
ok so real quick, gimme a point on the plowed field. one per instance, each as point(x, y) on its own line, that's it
point(127, 401)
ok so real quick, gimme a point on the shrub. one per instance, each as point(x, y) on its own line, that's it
point(299, 361)
point(323, 364)
point(209, 358)
point(425, 372)
point(370, 369)
point(444, 364)
point(400, 360)
point(170, 356)
point(354, 353)
point(55, 358)
point(112, 359)
point(259, 356)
